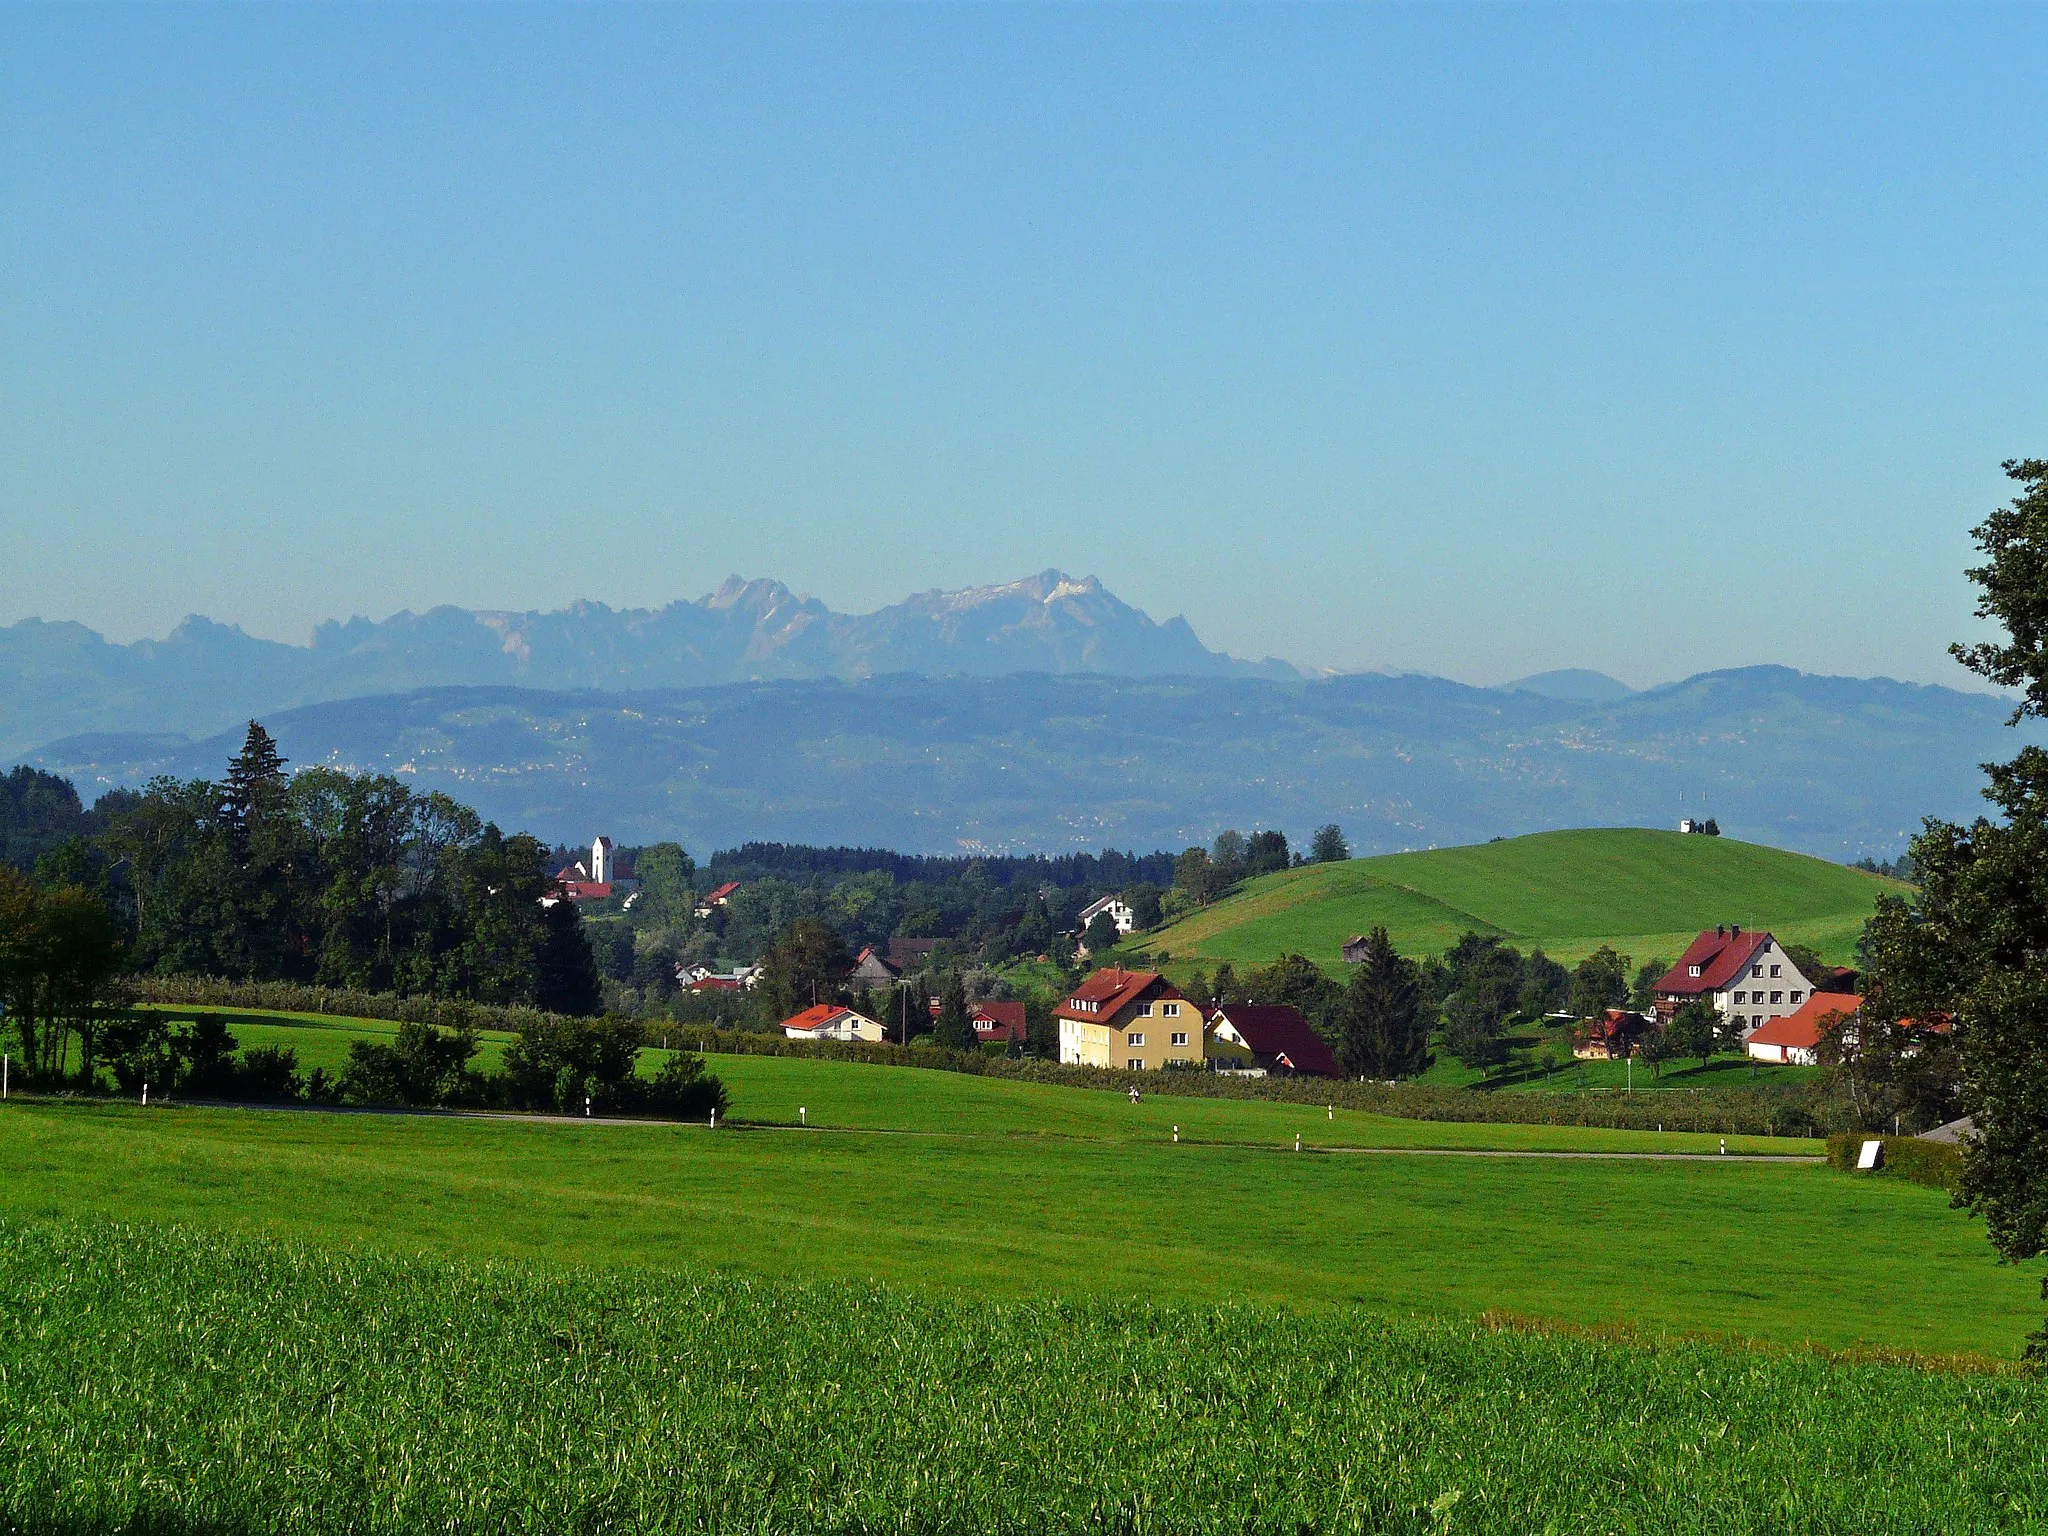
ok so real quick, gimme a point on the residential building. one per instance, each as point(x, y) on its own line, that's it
point(873, 971)
point(1134, 1020)
point(716, 897)
point(908, 955)
point(1262, 1039)
point(1612, 1036)
point(1120, 912)
point(828, 1021)
point(1794, 1040)
point(1747, 977)
point(994, 1022)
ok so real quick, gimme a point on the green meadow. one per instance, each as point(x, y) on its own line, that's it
point(1567, 893)
point(888, 1298)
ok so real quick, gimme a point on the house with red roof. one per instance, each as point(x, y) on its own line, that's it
point(1612, 1036)
point(828, 1021)
point(716, 897)
point(1795, 1039)
point(1134, 1020)
point(1746, 976)
point(1268, 1039)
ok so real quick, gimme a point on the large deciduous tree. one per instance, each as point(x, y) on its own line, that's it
point(1972, 943)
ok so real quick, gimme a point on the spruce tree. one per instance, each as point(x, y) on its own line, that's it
point(1381, 1025)
point(955, 1030)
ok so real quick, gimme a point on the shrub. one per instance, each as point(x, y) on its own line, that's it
point(1937, 1164)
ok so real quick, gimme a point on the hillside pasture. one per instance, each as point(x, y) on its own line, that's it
point(1566, 893)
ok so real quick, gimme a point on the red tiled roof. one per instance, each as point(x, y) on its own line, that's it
point(715, 984)
point(1274, 1029)
point(1802, 1030)
point(815, 1017)
point(1720, 957)
point(1110, 990)
point(1006, 1020)
point(719, 893)
point(585, 890)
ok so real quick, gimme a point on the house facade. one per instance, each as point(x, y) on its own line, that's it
point(997, 1023)
point(1133, 1020)
point(873, 971)
point(1746, 976)
point(1260, 1040)
point(1120, 912)
point(827, 1021)
point(1795, 1039)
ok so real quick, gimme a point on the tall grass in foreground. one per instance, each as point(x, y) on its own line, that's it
point(178, 1380)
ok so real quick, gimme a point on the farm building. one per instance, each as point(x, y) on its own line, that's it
point(1795, 1039)
point(1746, 976)
point(1612, 1036)
point(1267, 1039)
point(717, 897)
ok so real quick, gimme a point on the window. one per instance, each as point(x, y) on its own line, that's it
point(1180, 1039)
point(1777, 997)
point(1171, 1010)
point(1756, 972)
point(1692, 970)
point(1742, 997)
point(1144, 1010)
point(1777, 971)
point(1797, 994)
point(1134, 1039)
point(1135, 1064)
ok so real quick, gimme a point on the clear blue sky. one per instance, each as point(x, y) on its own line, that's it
point(1475, 341)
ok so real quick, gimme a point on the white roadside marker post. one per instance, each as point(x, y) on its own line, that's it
point(1724, 1146)
point(714, 1117)
point(1176, 1135)
point(145, 1095)
point(803, 1115)
point(1333, 1111)
point(1297, 1141)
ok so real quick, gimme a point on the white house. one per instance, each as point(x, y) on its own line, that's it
point(828, 1022)
point(1747, 977)
point(1118, 909)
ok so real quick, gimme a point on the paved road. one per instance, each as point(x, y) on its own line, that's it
point(874, 1130)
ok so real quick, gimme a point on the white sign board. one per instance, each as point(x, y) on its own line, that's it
point(1871, 1155)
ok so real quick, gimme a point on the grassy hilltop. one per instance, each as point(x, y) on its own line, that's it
point(1567, 893)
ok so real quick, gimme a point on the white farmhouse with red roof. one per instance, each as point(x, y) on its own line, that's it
point(1746, 976)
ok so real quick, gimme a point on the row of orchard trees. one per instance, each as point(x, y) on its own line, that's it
point(60, 956)
point(342, 879)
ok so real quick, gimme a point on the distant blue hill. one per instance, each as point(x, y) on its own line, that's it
point(1574, 683)
point(1036, 761)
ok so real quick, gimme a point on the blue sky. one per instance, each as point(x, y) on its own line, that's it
point(1471, 340)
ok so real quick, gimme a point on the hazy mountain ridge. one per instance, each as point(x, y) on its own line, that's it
point(59, 679)
point(1832, 766)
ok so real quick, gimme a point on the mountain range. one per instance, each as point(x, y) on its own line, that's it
point(1839, 767)
point(59, 679)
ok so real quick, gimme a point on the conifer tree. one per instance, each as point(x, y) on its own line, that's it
point(1382, 1032)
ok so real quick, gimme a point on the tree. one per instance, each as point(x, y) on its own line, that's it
point(665, 872)
point(1226, 855)
point(1265, 853)
point(1710, 827)
point(565, 979)
point(1195, 877)
point(1972, 942)
point(1642, 993)
point(953, 1029)
point(805, 965)
point(1381, 1031)
point(1695, 1030)
point(1600, 982)
point(1809, 964)
point(1472, 1029)
point(1657, 1048)
point(1144, 904)
point(1100, 934)
point(1328, 845)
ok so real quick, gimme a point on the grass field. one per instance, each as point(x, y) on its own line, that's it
point(1783, 1251)
point(1567, 893)
point(170, 1380)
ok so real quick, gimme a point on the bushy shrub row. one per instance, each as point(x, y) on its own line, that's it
point(1937, 1164)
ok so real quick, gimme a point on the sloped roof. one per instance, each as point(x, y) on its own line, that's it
point(1275, 1029)
point(1720, 955)
point(718, 893)
point(1802, 1030)
point(1110, 990)
point(1009, 1015)
point(818, 1015)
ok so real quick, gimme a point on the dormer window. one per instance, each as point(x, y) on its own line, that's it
point(1692, 970)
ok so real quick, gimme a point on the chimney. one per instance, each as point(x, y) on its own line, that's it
point(1735, 930)
point(1720, 930)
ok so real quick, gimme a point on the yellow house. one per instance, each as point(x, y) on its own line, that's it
point(1132, 1020)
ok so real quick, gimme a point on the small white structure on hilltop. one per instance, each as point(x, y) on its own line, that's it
point(601, 870)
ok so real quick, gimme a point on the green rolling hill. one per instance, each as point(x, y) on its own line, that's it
point(1646, 893)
